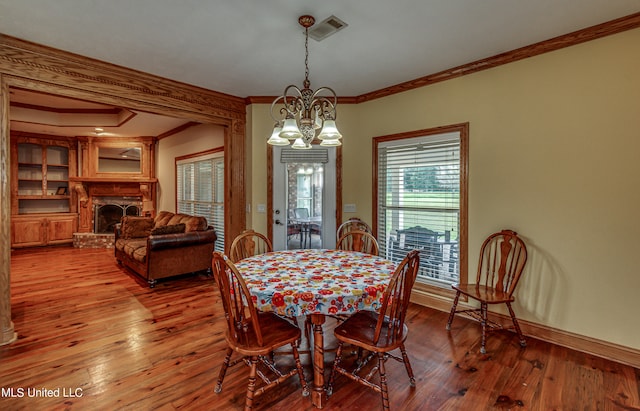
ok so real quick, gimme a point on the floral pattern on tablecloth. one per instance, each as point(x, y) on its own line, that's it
point(300, 282)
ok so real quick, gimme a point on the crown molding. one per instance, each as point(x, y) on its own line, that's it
point(567, 40)
point(629, 22)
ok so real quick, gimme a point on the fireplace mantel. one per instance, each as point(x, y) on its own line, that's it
point(89, 188)
point(97, 180)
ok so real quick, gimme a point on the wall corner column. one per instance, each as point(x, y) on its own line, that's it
point(235, 196)
point(7, 333)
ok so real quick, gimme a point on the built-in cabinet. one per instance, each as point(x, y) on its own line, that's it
point(43, 208)
point(42, 229)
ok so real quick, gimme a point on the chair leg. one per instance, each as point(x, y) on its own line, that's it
point(251, 388)
point(407, 365)
point(453, 310)
point(523, 342)
point(303, 382)
point(383, 382)
point(223, 370)
point(336, 363)
point(483, 314)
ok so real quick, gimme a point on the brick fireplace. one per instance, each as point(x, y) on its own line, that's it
point(111, 186)
point(102, 205)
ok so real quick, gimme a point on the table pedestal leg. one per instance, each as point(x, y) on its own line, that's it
point(318, 393)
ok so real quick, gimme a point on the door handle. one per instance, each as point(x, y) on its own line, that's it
point(278, 222)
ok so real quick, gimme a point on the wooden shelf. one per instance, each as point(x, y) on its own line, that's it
point(41, 167)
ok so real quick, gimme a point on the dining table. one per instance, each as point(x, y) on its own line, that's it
point(316, 283)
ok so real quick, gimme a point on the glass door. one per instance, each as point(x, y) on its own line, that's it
point(304, 198)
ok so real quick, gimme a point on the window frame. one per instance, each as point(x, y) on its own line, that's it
point(463, 130)
point(215, 153)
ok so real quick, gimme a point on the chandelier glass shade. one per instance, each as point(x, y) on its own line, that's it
point(300, 114)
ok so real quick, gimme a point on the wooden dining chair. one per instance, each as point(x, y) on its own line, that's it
point(380, 332)
point(252, 334)
point(358, 240)
point(351, 224)
point(502, 259)
point(247, 244)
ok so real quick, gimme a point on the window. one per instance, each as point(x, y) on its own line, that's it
point(421, 200)
point(200, 189)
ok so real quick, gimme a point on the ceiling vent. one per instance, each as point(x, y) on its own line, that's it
point(326, 28)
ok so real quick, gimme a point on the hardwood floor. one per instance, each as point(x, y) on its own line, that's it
point(100, 339)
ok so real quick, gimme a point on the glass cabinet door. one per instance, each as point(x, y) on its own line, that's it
point(43, 179)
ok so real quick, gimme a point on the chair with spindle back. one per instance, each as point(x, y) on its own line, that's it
point(502, 258)
point(380, 332)
point(252, 334)
point(351, 224)
point(247, 244)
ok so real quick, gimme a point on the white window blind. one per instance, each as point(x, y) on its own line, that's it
point(200, 191)
point(419, 203)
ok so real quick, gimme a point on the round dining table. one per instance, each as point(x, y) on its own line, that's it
point(316, 283)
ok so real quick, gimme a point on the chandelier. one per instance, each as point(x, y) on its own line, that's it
point(303, 112)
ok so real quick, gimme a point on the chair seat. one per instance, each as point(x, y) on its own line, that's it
point(276, 332)
point(484, 293)
point(360, 328)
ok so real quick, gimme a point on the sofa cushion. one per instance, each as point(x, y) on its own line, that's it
point(192, 223)
point(195, 224)
point(140, 254)
point(169, 229)
point(163, 218)
point(136, 227)
point(120, 242)
point(136, 248)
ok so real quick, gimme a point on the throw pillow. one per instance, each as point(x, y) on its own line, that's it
point(136, 227)
point(169, 229)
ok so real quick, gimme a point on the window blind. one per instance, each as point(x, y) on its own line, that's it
point(419, 203)
point(315, 155)
point(200, 191)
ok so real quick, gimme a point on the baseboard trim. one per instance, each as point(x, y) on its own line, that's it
point(600, 348)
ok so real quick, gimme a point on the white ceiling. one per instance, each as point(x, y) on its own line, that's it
point(256, 47)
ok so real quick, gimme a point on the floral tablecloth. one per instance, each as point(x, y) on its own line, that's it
point(315, 281)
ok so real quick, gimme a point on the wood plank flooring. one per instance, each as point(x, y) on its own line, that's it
point(91, 336)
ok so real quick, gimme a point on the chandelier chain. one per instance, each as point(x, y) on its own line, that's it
point(306, 57)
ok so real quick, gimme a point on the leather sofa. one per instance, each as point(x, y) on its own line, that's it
point(169, 245)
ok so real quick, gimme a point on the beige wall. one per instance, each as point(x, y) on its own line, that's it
point(192, 140)
point(260, 126)
point(554, 155)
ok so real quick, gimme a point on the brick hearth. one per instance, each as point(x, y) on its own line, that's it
point(91, 240)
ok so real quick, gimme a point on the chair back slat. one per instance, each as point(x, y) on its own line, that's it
point(358, 240)
point(240, 313)
point(395, 300)
point(502, 259)
point(247, 244)
point(352, 224)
